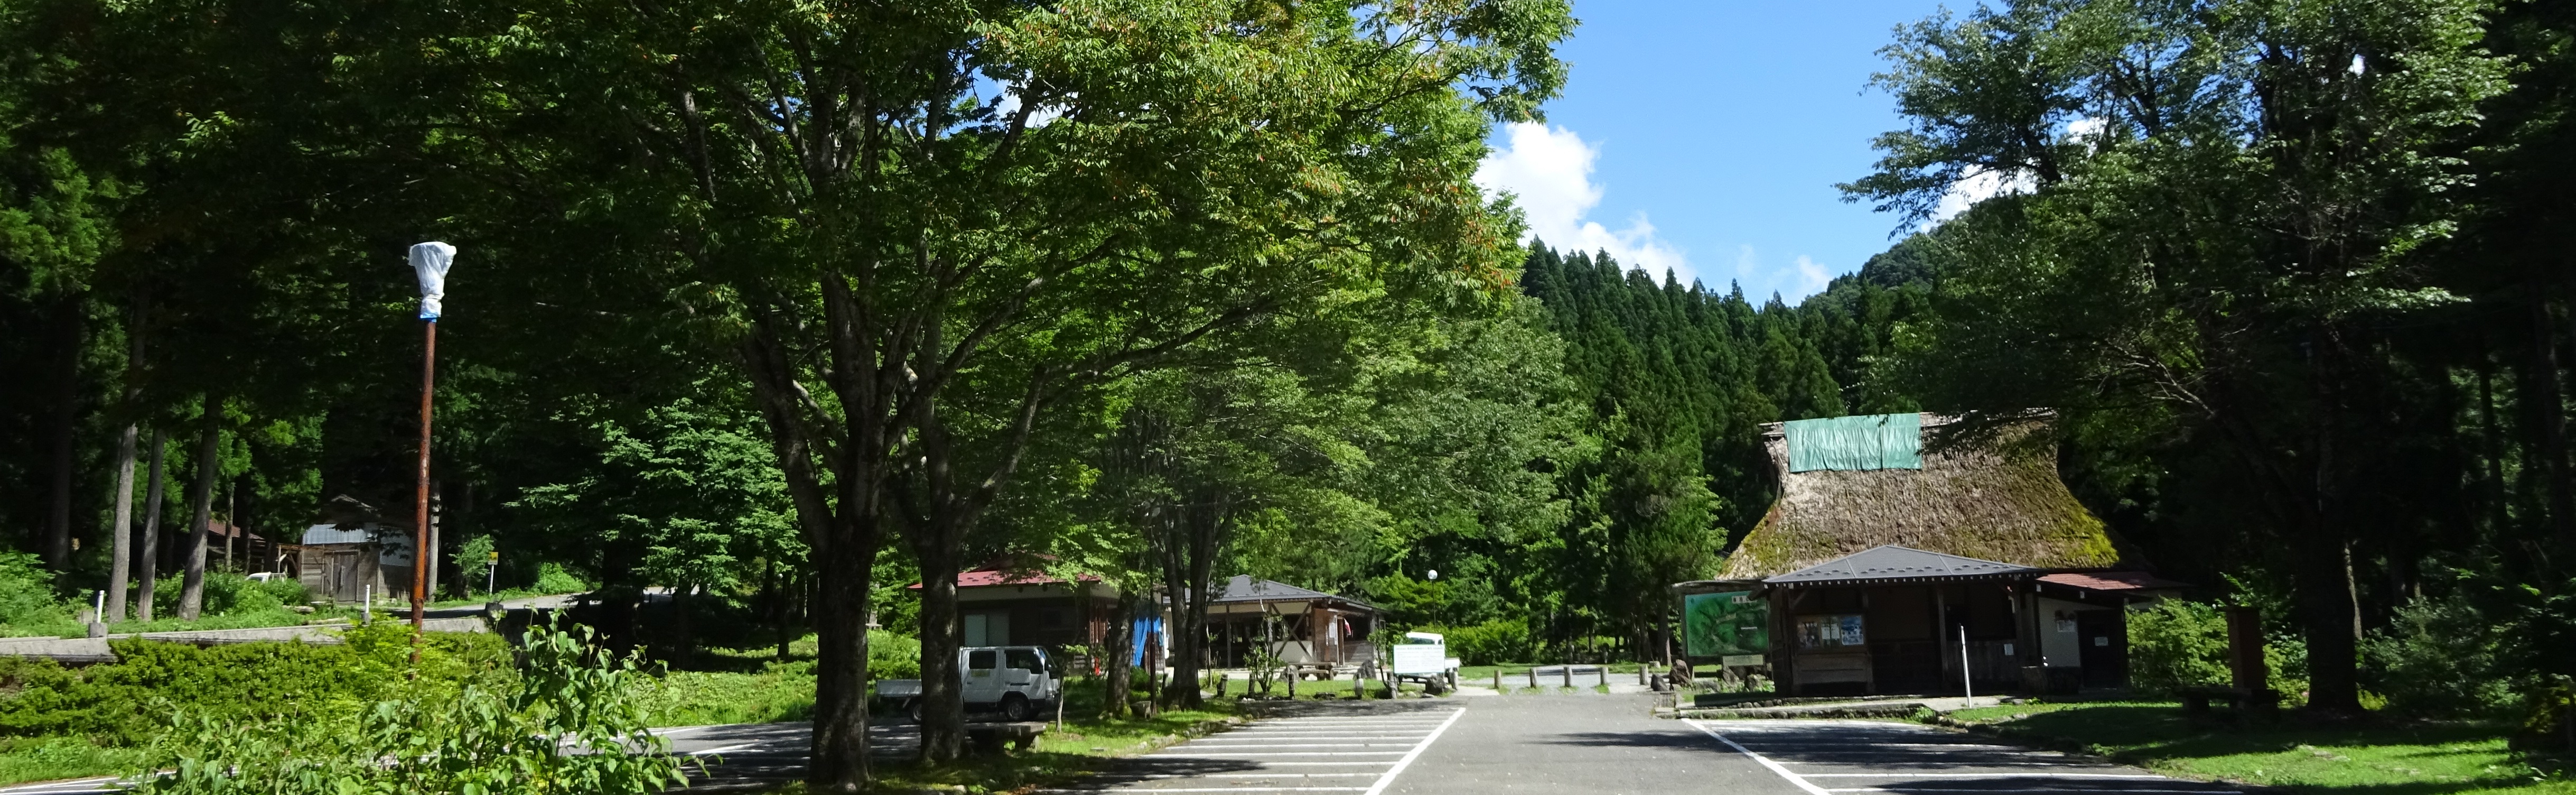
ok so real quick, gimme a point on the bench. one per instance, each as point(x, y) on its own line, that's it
point(1004, 738)
point(2195, 700)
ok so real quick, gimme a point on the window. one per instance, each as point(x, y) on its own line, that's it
point(981, 660)
point(1023, 659)
point(1833, 631)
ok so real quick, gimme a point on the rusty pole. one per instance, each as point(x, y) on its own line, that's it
point(420, 515)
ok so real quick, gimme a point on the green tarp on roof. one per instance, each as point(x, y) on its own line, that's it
point(1876, 441)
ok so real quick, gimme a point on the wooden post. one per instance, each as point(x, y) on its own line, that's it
point(420, 511)
point(1533, 675)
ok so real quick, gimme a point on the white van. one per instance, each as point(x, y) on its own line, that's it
point(1014, 680)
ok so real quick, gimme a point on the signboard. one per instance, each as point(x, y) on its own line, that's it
point(1728, 623)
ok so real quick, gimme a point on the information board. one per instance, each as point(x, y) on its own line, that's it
point(1727, 623)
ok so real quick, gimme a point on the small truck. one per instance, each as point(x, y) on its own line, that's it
point(1014, 680)
point(1424, 657)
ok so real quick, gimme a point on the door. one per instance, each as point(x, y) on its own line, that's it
point(2103, 636)
point(1021, 671)
point(983, 676)
point(340, 575)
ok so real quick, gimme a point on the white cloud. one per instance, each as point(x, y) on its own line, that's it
point(1977, 186)
point(1550, 170)
point(1804, 276)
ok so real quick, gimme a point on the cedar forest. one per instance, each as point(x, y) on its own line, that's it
point(789, 306)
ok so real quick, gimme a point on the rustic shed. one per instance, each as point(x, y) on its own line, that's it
point(1888, 566)
point(352, 552)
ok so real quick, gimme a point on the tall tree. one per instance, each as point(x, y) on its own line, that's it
point(2232, 193)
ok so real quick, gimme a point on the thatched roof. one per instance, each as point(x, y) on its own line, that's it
point(1998, 501)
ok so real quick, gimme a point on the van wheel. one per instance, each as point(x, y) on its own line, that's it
point(912, 709)
point(1015, 708)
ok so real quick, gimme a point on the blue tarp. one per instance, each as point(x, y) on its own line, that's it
point(1875, 441)
point(1145, 627)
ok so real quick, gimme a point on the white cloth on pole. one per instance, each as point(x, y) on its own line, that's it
point(429, 261)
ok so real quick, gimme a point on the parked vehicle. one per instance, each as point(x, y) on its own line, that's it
point(1014, 680)
point(1424, 657)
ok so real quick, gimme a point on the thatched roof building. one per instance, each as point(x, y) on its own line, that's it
point(1855, 483)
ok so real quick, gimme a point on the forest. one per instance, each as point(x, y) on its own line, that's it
point(787, 307)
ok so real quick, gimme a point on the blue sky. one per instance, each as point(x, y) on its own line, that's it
point(1714, 133)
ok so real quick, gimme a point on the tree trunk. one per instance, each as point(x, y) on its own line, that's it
point(121, 531)
point(1114, 656)
point(2549, 409)
point(58, 520)
point(201, 506)
point(147, 560)
point(840, 611)
point(943, 716)
point(2331, 617)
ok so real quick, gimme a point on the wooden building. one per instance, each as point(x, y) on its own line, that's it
point(352, 552)
point(1010, 603)
point(1301, 626)
point(1888, 565)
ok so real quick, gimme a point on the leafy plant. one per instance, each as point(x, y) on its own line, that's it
point(2441, 657)
point(2175, 644)
point(27, 602)
point(476, 742)
point(553, 579)
point(1490, 643)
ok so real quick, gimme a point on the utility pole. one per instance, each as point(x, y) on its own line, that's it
point(429, 261)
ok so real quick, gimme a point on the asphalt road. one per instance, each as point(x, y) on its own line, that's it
point(1828, 757)
point(1581, 743)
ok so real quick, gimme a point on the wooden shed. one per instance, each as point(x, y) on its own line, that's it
point(352, 552)
point(1887, 565)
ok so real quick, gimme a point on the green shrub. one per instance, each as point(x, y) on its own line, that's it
point(2440, 658)
point(476, 740)
point(1490, 643)
point(229, 593)
point(27, 602)
point(892, 656)
point(783, 691)
point(124, 702)
point(2175, 644)
point(553, 579)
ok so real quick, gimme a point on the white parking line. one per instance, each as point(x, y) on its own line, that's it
point(1774, 767)
point(1409, 756)
point(722, 750)
point(2013, 770)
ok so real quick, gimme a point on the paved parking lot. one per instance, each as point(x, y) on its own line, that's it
point(1354, 750)
point(1838, 756)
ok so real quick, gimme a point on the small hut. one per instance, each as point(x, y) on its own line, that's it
point(1885, 567)
point(1300, 626)
point(352, 552)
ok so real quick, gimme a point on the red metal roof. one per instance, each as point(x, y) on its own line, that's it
point(2113, 581)
point(984, 577)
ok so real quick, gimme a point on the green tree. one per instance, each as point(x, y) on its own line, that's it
point(2223, 200)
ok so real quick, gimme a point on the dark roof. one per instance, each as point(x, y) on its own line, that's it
point(1243, 588)
point(1890, 562)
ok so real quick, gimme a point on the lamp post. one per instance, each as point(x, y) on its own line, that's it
point(429, 261)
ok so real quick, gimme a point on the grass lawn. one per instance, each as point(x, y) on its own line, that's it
point(25, 759)
point(2380, 757)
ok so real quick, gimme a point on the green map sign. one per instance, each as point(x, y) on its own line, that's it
point(1719, 624)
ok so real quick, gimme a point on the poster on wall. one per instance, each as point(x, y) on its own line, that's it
point(1722, 624)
